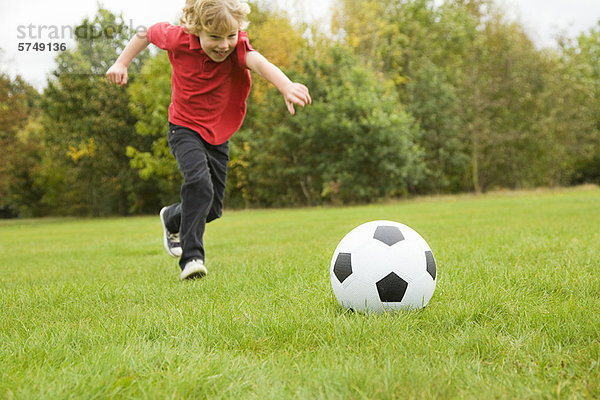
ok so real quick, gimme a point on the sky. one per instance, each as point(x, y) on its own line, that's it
point(32, 21)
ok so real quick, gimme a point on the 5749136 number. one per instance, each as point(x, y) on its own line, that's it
point(42, 46)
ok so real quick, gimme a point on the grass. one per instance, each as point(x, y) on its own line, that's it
point(94, 309)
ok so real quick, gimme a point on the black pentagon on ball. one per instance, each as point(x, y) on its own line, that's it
point(431, 268)
point(389, 235)
point(392, 288)
point(343, 266)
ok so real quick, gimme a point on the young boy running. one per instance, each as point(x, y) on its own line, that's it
point(211, 57)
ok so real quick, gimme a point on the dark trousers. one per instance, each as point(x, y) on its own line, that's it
point(204, 170)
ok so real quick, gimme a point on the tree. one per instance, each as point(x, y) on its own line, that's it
point(492, 109)
point(150, 98)
point(19, 158)
point(88, 124)
point(353, 144)
point(501, 94)
point(417, 47)
point(580, 67)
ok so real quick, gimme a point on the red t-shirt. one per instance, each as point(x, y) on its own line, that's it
point(207, 97)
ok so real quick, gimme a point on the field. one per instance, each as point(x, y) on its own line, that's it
point(94, 309)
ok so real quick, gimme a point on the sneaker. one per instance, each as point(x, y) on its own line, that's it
point(193, 269)
point(170, 240)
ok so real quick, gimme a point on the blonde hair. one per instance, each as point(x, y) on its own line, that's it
point(218, 16)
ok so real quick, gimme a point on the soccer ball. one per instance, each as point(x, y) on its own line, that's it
point(383, 266)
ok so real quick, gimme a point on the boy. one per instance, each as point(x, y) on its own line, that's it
point(210, 56)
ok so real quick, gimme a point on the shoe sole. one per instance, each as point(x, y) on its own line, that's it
point(165, 239)
point(196, 272)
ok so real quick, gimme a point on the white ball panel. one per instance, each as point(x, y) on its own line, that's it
point(361, 296)
point(419, 292)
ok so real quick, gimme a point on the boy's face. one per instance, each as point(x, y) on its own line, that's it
point(218, 46)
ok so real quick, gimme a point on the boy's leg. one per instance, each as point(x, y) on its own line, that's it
point(218, 159)
point(204, 169)
point(171, 240)
point(196, 192)
point(172, 217)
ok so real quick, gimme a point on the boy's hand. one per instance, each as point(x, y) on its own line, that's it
point(296, 93)
point(117, 74)
point(293, 93)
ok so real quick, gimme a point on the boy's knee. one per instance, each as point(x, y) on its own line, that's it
point(198, 192)
point(195, 171)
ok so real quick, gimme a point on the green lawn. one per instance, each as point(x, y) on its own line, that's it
point(94, 308)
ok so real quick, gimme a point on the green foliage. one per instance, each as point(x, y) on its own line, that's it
point(493, 110)
point(88, 125)
point(418, 48)
point(581, 66)
point(150, 99)
point(353, 144)
point(434, 102)
point(410, 97)
point(21, 151)
point(503, 86)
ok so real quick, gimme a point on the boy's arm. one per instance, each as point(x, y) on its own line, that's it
point(293, 93)
point(118, 72)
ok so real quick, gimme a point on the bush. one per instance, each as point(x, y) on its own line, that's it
point(353, 144)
